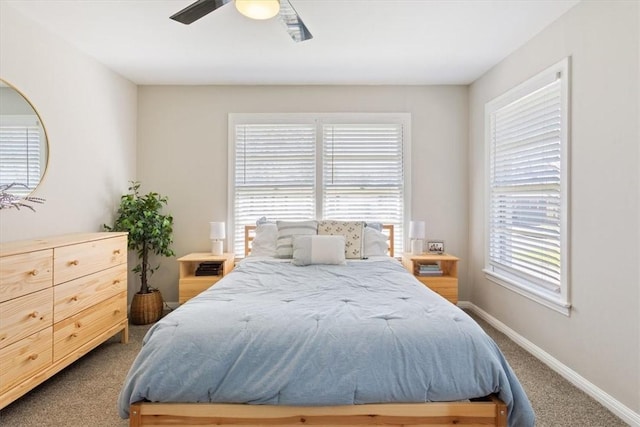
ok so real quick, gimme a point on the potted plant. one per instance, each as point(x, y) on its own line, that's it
point(150, 232)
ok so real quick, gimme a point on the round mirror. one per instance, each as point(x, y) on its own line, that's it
point(24, 149)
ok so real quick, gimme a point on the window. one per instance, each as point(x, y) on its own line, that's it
point(20, 146)
point(527, 147)
point(331, 166)
point(362, 172)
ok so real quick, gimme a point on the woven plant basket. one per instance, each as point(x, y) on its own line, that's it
point(146, 308)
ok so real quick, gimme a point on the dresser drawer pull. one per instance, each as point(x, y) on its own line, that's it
point(33, 273)
point(116, 281)
point(116, 252)
point(34, 356)
point(34, 314)
point(74, 298)
point(74, 262)
point(116, 311)
point(74, 335)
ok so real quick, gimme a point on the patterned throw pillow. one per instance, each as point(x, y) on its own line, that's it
point(288, 229)
point(352, 232)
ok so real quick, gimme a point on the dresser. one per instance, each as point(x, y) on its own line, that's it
point(60, 297)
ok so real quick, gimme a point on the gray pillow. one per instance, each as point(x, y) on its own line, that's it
point(288, 229)
point(309, 250)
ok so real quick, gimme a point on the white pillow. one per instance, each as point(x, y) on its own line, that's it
point(374, 225)
point(288, 229)
point(375, 243)
point(264, 240)
point(325, 249)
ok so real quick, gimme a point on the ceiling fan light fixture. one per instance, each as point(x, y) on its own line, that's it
point(258, 9)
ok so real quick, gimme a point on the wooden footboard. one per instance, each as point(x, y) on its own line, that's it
point(488, 411)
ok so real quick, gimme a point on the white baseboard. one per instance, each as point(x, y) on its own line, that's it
point(608, 401)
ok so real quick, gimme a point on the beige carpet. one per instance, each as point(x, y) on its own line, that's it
point(85, 393)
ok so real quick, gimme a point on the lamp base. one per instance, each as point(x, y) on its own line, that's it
point(216, 247)
point(417, 246)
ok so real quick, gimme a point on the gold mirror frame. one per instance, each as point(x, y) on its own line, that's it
point(12, 192)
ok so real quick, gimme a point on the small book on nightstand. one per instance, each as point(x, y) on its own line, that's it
point(429, 270)
point(209, 269)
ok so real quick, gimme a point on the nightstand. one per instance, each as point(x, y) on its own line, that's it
point(194, 280)
point(439, 272)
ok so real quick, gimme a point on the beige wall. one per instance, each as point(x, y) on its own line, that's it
point(182, 152)
point(600, 341)
point(89, 113)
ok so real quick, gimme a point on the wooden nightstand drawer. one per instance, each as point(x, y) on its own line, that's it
point(25, 315)
point(73, 261)
point(25, 273)
point(74, 296)
point(443, 286)
point(189, 288)
point(24, 358)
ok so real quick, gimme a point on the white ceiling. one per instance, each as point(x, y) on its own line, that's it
point(355, 41)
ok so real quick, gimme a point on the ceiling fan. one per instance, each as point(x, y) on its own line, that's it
point(255, 9)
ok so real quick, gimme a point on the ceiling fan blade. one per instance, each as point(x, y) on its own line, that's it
point(292, 22)
point(197, 10)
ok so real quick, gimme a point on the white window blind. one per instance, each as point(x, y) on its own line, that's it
point(301, 166)
point(527, 187)
point(20, 153)
point(274, 174)
point(363, 175)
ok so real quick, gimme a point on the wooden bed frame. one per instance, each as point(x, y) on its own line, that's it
point(484, 411)
point(491, 412)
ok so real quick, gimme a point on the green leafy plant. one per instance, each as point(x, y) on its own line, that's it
point(149, 230)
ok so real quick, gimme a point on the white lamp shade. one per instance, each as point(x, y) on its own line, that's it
point(258, 9)
point(217, 230)
point(416, 230)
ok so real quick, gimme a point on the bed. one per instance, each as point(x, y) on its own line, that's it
point(358, 343)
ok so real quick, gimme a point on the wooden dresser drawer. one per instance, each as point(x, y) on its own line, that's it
point(21, 317)
point(23, 274)
point(24, 358)
point(73, 261)
point(77, 330)
point(76, 295)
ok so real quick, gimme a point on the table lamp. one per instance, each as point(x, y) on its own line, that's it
point(416, 234)
point(217, 235)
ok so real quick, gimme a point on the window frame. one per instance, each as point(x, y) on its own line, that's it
point(26, 122)
point(318, 119)
point(519, 283)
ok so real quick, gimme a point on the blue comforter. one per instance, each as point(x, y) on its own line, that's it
point(274, 333)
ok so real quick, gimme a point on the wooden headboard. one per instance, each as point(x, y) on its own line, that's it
point(250, 231)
